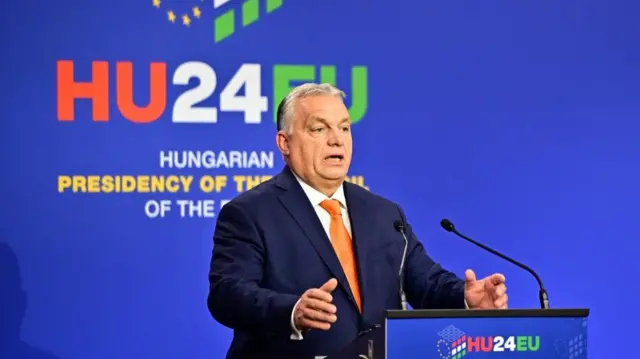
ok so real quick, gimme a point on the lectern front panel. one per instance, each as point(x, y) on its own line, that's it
point(486, 337)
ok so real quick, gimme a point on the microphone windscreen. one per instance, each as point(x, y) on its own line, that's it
point(447, 225)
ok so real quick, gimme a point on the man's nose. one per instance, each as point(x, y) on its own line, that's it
point(335, 138)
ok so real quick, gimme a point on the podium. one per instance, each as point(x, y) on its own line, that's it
point(474, 334)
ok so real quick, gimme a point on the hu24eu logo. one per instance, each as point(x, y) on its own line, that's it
point(455, 344)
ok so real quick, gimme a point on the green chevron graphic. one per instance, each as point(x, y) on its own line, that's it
point(224, 25)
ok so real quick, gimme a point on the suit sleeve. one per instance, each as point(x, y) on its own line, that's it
point(236, 299)
point(427, 284)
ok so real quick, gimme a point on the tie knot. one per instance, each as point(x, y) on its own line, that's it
point(332, 206)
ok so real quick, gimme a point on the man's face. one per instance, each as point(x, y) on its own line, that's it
point(320, 144)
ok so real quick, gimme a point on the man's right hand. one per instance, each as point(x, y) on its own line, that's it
point(315, 310)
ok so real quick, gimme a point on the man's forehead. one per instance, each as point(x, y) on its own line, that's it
point(320, 118)
point(320, 102)
point(321, 108)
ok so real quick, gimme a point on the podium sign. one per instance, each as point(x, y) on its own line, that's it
point(478, 334)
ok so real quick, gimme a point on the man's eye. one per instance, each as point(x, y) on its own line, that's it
point(317, 129)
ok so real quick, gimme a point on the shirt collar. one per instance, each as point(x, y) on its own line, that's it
point(316, 197)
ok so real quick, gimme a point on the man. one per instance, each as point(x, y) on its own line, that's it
point(305, 261)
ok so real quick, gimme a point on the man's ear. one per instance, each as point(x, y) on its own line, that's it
point(282, 141)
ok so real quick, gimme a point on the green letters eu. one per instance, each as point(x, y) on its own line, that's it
point(284, 75)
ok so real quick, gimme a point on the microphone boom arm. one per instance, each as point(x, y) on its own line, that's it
point(543, 296)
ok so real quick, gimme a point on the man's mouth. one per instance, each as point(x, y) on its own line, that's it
point(334, 158)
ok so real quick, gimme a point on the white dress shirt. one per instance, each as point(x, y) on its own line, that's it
point(316, 197)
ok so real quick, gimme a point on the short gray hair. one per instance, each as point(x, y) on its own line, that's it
point(285, 109)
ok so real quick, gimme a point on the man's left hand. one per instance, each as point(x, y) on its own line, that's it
point(487, 293)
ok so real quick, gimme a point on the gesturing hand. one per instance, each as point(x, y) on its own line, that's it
point(487, 293)
point(315, 311)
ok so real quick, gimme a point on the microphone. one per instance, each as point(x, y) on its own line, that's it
point(544, 297)
point(399, 226)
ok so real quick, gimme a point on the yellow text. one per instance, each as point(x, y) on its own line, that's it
point(124, 184)
point(245, 183)
point(210, 184)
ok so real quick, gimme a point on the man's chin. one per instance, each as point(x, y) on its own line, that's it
point(334, 175)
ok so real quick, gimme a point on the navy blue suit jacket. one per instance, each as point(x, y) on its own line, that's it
point(270, 247)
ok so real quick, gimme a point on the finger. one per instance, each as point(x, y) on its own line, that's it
point(500, 290)
point(318, 316)
point(469, 276)
point(501, 302)
point(320, 305)
point(319, 295)
point(312, 324)
point(497, 279)
point(330, 285)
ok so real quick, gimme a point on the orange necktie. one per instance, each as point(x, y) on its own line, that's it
point(343, 245)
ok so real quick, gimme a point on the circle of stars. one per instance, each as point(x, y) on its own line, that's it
point(186, 18)
point(446, 354)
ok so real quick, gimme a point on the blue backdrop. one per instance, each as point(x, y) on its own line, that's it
point(518, 120)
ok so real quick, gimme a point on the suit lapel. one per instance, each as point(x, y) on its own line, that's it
point(297, 204)
point(363, 233)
